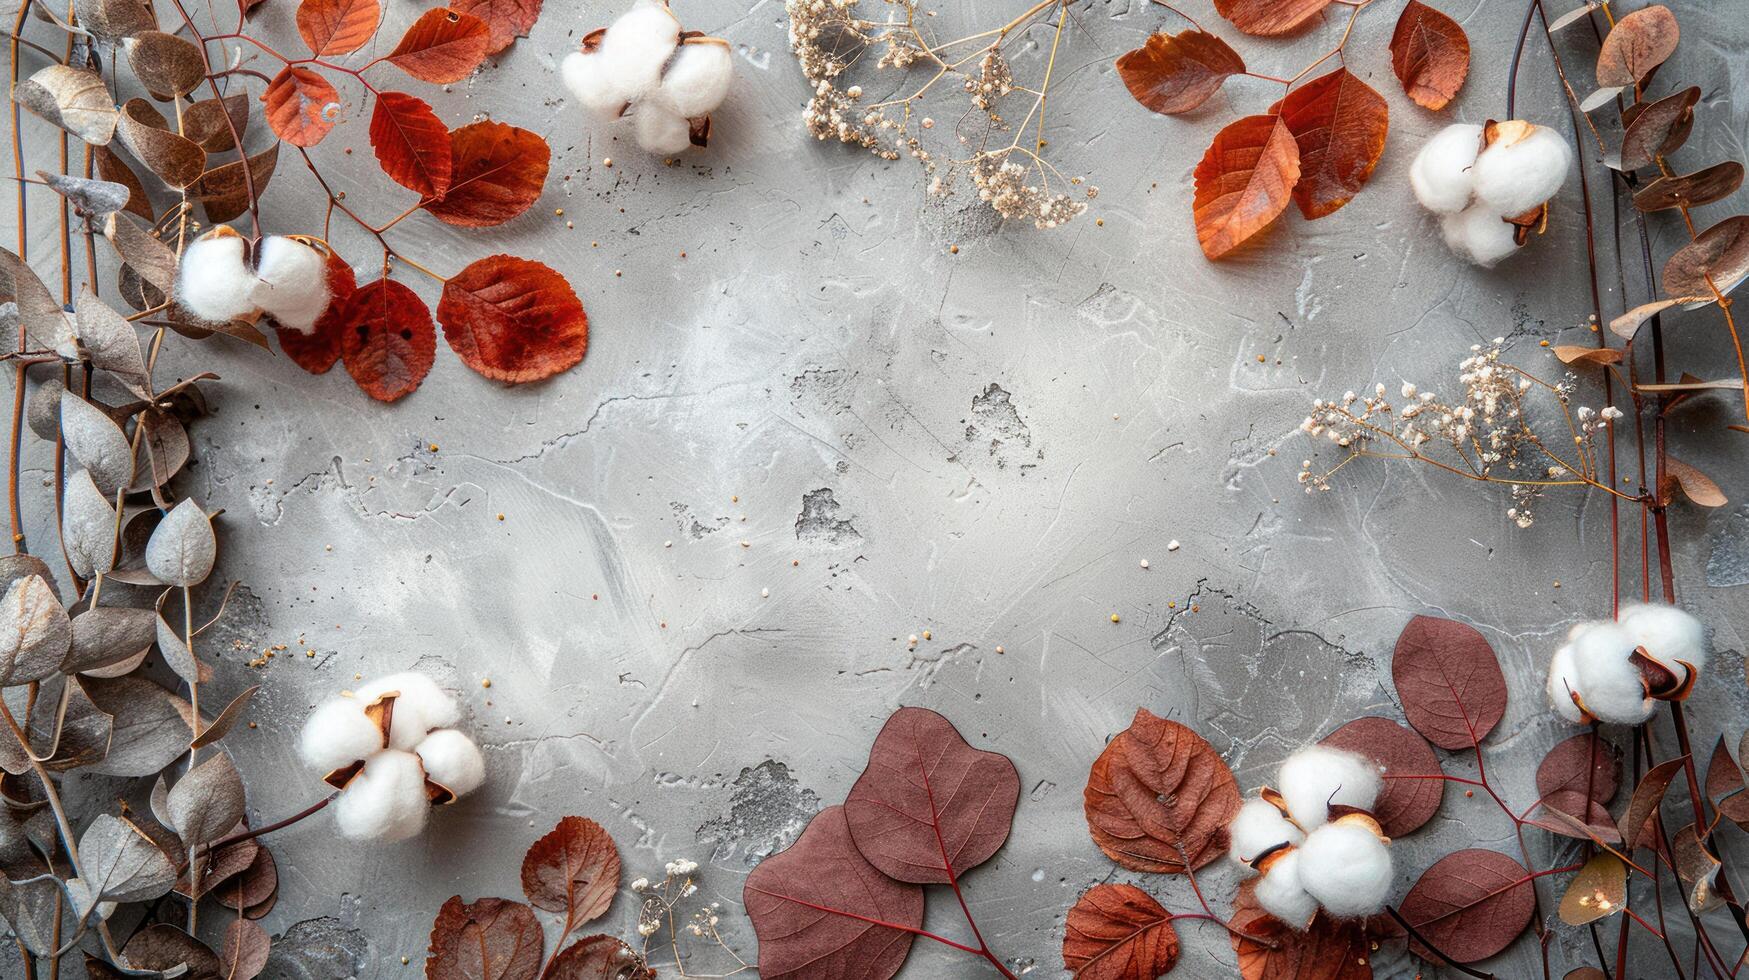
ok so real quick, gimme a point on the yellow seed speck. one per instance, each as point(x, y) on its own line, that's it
point(927, 634)
point(434, 447)
point(559, 211)
point(1114, 617)
point(1000, 650)
point(500, 516)
point(954, 249)
point(486, 682)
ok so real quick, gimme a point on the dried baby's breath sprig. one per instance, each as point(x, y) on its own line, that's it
point(664, 917)
point(830, 38)
point(1490, 434)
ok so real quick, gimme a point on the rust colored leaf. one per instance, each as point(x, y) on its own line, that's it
point(411, 143)
point(492, 939)
point(301, 106)
point(1596, 891)
point(1695, 485)
point(1118, 932)
point(1449, 681)
point(820, 908)
point(1714, 183)
point(599, 958)
point(442, 46)
point(1658, 129)
point(1718, 258)
point(317, 350)
point(1585, 355)
point(209, 122)
point(167, 66)
point(1471, 904)
point(388, 341)
point(335, 27)
point(177, 160)
point(111, 168)
point(499, 171)
point(1643, 805)
point(1405, 804)
point(222, 191)
point(573, 870)
point(1160, 797)
point(1173, 73)
point(1430, 54)
point(1329, 950)
point(1628, 324)
point(506, 20)
point(1243, 182)
point(1270, 17)
point(1724, 786)
point(1340, 124)
point(513, 319)
point(1638, 43)
point(929, 807)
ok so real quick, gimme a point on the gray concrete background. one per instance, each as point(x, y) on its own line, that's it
point(820, 400)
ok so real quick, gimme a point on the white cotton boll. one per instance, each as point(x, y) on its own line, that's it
point(213, 281)
point(385, 801)
point(291, 282)
point(1668, 635)
point(1480, 235)
point(1347, 869)
point(1442, 175)
point(1282, 895)
point(1258, 828)
point(637, 45)
point(1514, 176)
point(338, 734)
point(421, 706)
point(452, 761)
point(1318, 777)
point(660, 130)
point(1563, 681)
point(587, 78)
point(698, 78)
point(1609, 683)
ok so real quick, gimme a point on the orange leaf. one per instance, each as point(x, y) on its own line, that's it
point(1587, 356)
point(389, 342)
point(1430, 54)
point(1159, 798)
point(1638, 43)
point(1177, 72)
point(1243, 182)
point(317, 350)
point(411, 143)
point(507, 20)
point(1695, 485)
point(498, 174)
point(1340, 125)
point(301, 106)
point(332, 27)
point(513, 320)
point(1270, 17)
point(1118, 932)
point(1330, 950)
point(442, 46)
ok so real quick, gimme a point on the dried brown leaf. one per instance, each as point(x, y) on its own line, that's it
point(1471, 905)
point(1430, 54)
point(1658, 129)
point(1406, 803)
point(1244, 181)
point(167, 66)
point(1638, 43)
point(574, 870)
point(491, 939)
point(1118, 932)
point(1449, 681)
point(177, 160)
point(1173, 73)
point(1718, 258)
point(1340, 124)
point(1270, 17)
point(1159, 797)
point(1587, 356)
point(73, 99)
point(1714, 183)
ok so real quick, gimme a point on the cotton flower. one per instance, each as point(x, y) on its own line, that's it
point(1318, 777)
point(1479, 235)
point(1668, 635)
point(387, 749)
point(1618, 671)
point(1346, 866)
point(643, 66)
point(291, 282)
point(1282, 894)
point(213, 280)
point(1489, 184)
point(1441, 174)
point(1258, 829)
point(1523, 167)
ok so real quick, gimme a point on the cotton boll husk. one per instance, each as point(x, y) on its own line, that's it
point(636, 46)
point(421, 706)
point(1513, 176)
point(452, 761)
point(212, 281)
point(1667, 634)
point(1441, 175)
point(1347, 869)
point(1482, 236)
point(385, 801)
point(291, 282)
point(1259, 827)
point(1609, 683)
point(698, 78)
point(1563, 682)
point(1281, 894)
point(587, 78)
point(338, 734)
point(1317, 777)
point(660, 130)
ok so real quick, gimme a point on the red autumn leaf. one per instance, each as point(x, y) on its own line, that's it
point(1449, 681)
point(929, 807)
point(506, 19)
point(1430, 54)
point(388, 340)
point(1340, 125)
point(492, 939)
point(1160, 797)
point(599, 958)
point(1118, 932)
point(1270, 17)
point(334, 27)
point(513, 319)
point(301, 106)
point(820, 909)
point(1243, 182)
point(1725, 787)
point(442, 46)
point(499, 171)
point(574, 870)
point(411, 143)
point(317, 350)
point(1471, 905)
point(1329, 950)
point(1638, 43)
point(1174, 73)
point(1405, 804)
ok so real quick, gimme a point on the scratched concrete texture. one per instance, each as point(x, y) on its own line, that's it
point(690, 567)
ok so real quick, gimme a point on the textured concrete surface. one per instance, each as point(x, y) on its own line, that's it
point(821, 401)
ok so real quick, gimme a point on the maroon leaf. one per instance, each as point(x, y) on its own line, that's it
point(1160, 797)
point(411, 143)
point(1643, 805)
point(1724, 784)
point(929, 807)
point(821, 909)
point(574, 870)
point(1449, 681)
point(388, 339)
point(1118, 932)
point(1471, 905)
point(1584, 764)
point(599, 958)
point(492, 939)
point(1405, 804)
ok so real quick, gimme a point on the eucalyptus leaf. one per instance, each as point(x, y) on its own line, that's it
point(226, 720)
point(166, 446)
point(46, 325)
point(121, 864)
point(67, 729)
point(151, 725)
point(182, 548)
point(113, 169)
point(167, 66)
point(43, 412)
point(210, 122)
point(176, 159)
point(87, 527)
point(177, 656)
point(109, 635)
point(32, 909)
point(73, 99)
point(90, 198)
point(149, 258)
point(16, 567)
point(109, 20)
point(110, 341)
point(206, 803)
point(165, 948)
point(97, 443)
point(34, 632)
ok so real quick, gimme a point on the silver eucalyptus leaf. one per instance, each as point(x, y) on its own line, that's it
point(177, 655)
point(34, 632)
point(111, 342)
point(151, 725)
point(44, 410)
point(32, 909)
point(121, 864)
point(97, 443)
point(182, 548)
point(15, 567)
point(89, 197)
point(87, 526)
point(205, 804)
point(46, 324)
point(109, 635)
